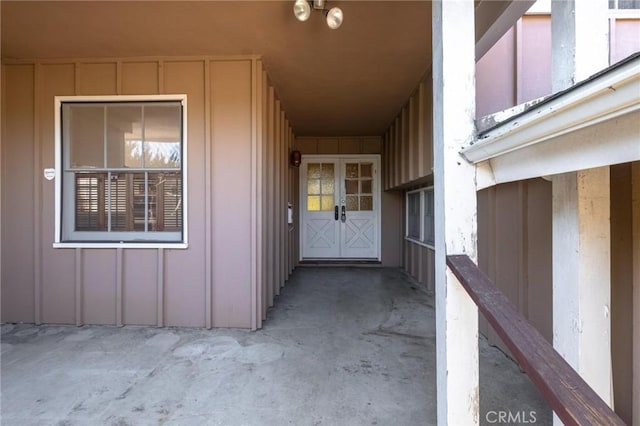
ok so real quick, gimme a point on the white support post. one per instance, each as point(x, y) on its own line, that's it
point(455, 209)
point(580, 40)
point(582, 275)
point(581, 207)
point(635, 202)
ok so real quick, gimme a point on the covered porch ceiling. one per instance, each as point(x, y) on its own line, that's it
point(349, 81)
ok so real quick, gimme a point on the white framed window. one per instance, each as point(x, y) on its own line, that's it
point(624, 4)
point(121, 171)
point(420, 227)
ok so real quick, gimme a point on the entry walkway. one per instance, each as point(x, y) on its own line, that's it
point(342, 346)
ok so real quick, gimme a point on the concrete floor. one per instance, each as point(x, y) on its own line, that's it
point(342, 346)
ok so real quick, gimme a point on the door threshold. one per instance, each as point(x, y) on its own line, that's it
point(340, 262)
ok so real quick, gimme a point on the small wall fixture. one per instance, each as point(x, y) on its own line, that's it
point(302, 11)
point(295, 159)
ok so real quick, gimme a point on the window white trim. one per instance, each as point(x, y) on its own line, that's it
point(423, 198)
point(58, 243)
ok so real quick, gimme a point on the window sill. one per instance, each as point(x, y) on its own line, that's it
point(128, 245)
point(420, 243)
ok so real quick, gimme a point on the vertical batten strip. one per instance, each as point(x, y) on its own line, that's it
point(208, 199)
point(78, 286)
point(283, 191)
point(276, 199)
point(77, 67)
point(523, 275)
point(259, 123)
point(119, 278)
point(160, 251)
point(390, 153)
point(253, 253)
point(290, 187)
point(161, 77)
point(271, 195)
point(422, 140)
point(387, 159)
point(265, 185)
point(37, 229)
point(78, 251)
point(412, 148)
point(119, 77)
point(119, 271)
point(406, 145)
point(397, 177)
point(160, 288)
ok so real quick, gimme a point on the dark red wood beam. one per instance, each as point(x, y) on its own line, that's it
point(570, 397)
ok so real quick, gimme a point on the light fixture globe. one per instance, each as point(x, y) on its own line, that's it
point(302, 10)
point(334, 18)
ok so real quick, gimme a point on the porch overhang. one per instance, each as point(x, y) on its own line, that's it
point(592, 124)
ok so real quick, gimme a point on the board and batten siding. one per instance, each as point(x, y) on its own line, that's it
point(220, 279)
point(408, 164)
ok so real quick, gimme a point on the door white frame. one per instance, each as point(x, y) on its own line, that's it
point(375, 158)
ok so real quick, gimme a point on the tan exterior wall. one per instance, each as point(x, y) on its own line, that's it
point(625, 38)
point(408, 143)
point(635, 208)
point(622, 289)
point(517, 68)
point(419, 263)
point(230, 151)
point(408, 164)
point(514, 249)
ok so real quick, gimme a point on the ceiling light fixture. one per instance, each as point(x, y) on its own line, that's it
point(302, 11)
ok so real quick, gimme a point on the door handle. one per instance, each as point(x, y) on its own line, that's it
point(335, 215)
point(344, 214)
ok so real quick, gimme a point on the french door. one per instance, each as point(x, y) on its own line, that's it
point(340, 206)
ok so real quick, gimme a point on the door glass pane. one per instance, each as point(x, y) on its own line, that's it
point(313, 171)
point(313, 187)
point(328, 187)
point(352, 170)
point(352, 202)
point(351, 186)
point(366, 202)
point(327, 171)
point(313, 203)
point(320, 186)
point(365, 169)
point(327, 202)
point(365, 187)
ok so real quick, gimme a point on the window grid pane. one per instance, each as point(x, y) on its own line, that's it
point(89, 193)
point(413, 215)
point(429, 226)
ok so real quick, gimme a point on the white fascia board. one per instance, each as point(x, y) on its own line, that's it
point(611, 142)
point(604, 98)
